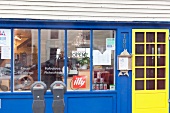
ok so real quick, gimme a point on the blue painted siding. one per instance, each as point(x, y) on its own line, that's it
point(91, 105)
point(96, 102)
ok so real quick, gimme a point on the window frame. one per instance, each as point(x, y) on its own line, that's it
point(65, 47)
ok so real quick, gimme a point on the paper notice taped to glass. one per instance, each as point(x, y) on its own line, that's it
point(5, 52)
point(101, 59)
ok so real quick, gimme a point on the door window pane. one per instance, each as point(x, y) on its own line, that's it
point(139, 61)
point(26, 58)
point(150, 61)
point(161, 73)
point(161, 37)
point(79, 56)
point(150, 49)
point(150, 73)
point(161, 61)
point(139, 49)
point(103, 59)
point(139, 37)
point(52, 56)
point(161, 49)
point(150, 37)
point(150, 84)
point(139, 84)
point(5, 59)
point(139, 73)
point(160, 84)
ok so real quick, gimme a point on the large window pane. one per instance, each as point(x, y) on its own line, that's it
point(5, 56)
point(79, 60)
point(103, 59)
point(52, 56)
point(26, 58)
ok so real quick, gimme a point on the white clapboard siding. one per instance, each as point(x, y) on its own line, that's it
point(100, 10)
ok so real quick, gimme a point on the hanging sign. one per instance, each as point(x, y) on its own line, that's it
point(110, 43)
point(5, 37)
point(79, 81)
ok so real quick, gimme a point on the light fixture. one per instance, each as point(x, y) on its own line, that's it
point(79, 40)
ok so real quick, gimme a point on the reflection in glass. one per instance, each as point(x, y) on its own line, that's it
point(139, 61)
point(150, 61)
point(160, 84)
point(139, 36)
point(79, 57)
point(150, 84)
point(139, 73)
point(103, 60)
point(139, 84)
point(161, 73)
point(161, 37)
point(139, 49)
point(161, 61)
point(150, 49)
point(52, 56)
point(150, 37)
point(150, 73)
point(26, 58)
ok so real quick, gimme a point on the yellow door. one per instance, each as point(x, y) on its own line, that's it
point(150, 68)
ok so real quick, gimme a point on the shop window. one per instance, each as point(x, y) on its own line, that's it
point(79, 60)
point(5, 59)
point(52, 56)
point(26, 58)
point(103, 60)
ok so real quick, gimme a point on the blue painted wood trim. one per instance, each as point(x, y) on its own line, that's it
point(65, 54)
point(91, 59)
point(43, 24)
point(39, 55)
point(123, 83)
point(12, 61)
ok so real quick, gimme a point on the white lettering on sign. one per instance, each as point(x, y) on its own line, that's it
point(79, 81)
point(78, 54)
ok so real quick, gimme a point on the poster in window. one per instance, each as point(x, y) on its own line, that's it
point(110, 44)
point(5, 37)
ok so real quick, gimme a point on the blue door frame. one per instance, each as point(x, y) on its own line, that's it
point(118, 101)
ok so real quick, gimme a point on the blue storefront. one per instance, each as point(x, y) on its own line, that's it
point(146, 42)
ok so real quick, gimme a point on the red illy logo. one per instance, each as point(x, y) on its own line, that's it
point(79, 81)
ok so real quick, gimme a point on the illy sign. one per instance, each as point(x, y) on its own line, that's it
point(79, 81)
